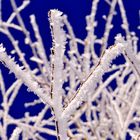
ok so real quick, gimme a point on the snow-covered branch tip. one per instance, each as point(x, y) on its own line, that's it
point(58, 49)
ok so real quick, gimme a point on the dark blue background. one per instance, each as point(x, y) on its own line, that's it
point(76, 11)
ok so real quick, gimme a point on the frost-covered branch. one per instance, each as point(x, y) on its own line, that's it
point(95, 76)
point(16, 133)
point(57, 65)
point(84, 92)
point(23, 75)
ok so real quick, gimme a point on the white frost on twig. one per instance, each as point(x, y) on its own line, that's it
point(16, 133)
